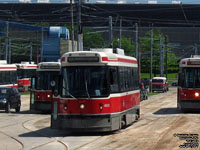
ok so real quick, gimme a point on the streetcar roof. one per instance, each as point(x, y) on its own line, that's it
point(4, 67)
point(190, 62)
point(159, 78)
point(26, 66)
point(103, 58)
point(49, 66)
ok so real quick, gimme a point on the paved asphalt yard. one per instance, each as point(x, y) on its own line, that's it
point(161, 126)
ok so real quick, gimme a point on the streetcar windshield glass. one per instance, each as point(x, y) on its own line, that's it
point(44, 79)
point(192, 77)
point(25, 73)
point(84, 81)
point(157, 81)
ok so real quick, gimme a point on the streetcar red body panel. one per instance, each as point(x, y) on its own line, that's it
point(188, 93)
point(92, 97)
point(43, 95)
point(99, 106)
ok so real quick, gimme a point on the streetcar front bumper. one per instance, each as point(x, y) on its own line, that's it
point(86, 123)
point(190, 104)
point(42, 105)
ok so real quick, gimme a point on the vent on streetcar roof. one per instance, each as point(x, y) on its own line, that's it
point(105, 50)
point(195, 56)
point(120, 51)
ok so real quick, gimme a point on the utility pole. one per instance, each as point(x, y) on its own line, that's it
point(166, 57)
point(79, 31)
point(151, 59)
point(161, 58)
point(110, 32)
point(31, 49)
point(120, 33)
point(72, 25)
point(6, 42)
point(41, 52)
point(136, 40)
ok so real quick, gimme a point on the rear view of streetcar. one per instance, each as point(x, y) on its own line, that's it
point(41, 94)
point(188, 97)
point(98, 91)
point(25, 70)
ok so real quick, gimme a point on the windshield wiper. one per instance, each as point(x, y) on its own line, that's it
point(67, 89)
point(87, 89)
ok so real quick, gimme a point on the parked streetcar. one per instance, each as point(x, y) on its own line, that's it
point(41, 94)
point(160, 84)
point(25, 71)
point(8, 75)
point(98, 91)
point(188, 97)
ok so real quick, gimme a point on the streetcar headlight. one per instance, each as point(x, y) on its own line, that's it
point(65, 107)
point(100, 106)
point(196, 94)
point(82, 106)
point(48, 96)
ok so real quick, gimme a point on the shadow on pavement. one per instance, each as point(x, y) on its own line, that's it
point(48, 132)
point(167, 111)
point(33, 112)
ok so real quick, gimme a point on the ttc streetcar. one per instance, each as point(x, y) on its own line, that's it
point(188, 97)
point(41, 94)
point(98, 91)
point(25, 71)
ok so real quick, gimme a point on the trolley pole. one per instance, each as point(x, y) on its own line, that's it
point(9, 52)
point(120, 33)
point(110, 32)
point(151, 60)
point(31, 51)
point(72, 25)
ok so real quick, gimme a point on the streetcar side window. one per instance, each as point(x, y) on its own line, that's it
point(114, 84)
point(129, 79)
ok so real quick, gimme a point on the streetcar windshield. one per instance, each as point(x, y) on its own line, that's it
point(25, 73)
point(44, 78)
point(192, 77)
point(157, 81)
point(84, 81)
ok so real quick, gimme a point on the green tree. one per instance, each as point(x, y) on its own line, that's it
point(145, 53)
point(93, 40)
point(126, 44)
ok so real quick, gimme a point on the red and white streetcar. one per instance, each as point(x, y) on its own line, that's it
point(189, 84)
point(41, 94)
point(8, 74)
point(98, 91)
point(25, 71)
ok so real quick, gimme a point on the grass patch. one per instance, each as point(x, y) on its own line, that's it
point(153, 93)
point(25, 93)
point(169, 75)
